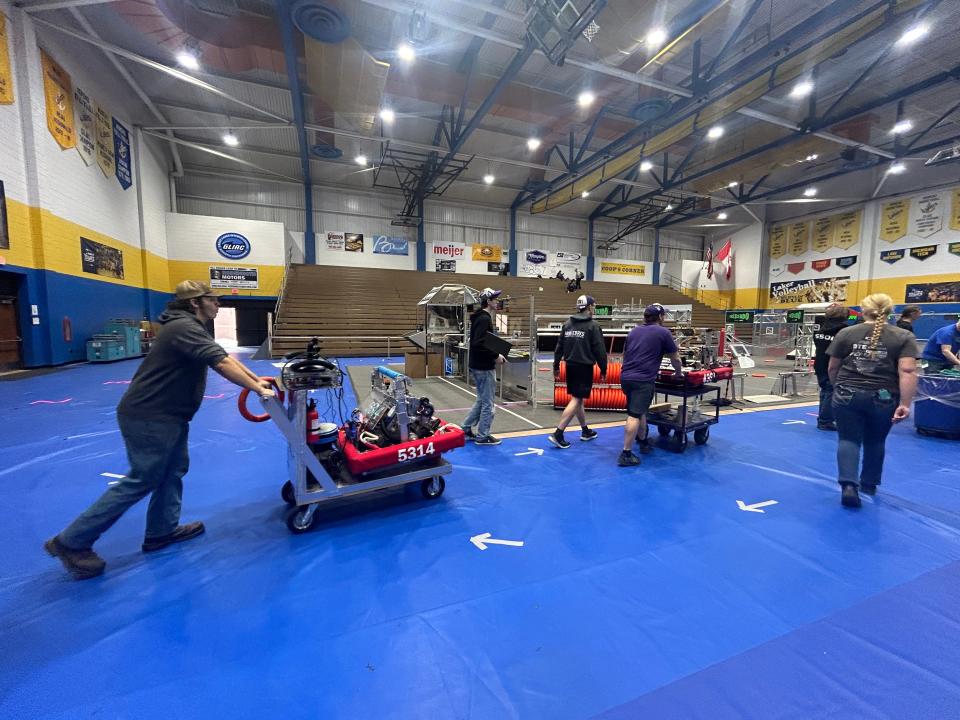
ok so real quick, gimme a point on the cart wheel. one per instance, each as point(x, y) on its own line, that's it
point(701, 436)
point(678, 443)
point(432, 488)
point(663, 430)
point(297, 522)
point(286, 492)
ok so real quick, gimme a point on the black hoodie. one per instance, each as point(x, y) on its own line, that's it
point(821, 341)
point(580, 341)
point(170, 382)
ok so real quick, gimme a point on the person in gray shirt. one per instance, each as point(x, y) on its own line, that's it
point(154, 417)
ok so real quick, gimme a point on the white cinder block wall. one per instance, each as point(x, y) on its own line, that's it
point(13, 171)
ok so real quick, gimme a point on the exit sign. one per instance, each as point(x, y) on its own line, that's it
point(740, 316)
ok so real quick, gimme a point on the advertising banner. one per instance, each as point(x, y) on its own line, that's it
point(927, 215)
point(121, 152)
point(487, 253)
point(568, 258)
point(933, 292)
point(6, 73)
point(86, 127)
point(353, 242)
point(536, 257)
point(385, 245)
point(98, 259)
point(613, 268)
point(824, 230)
point(815, 290)
point(498, 267)
point(103, 123)
point(335, 241)
point(893, 220)
point(449, 250)
point(234, 277)
point(799, 238)
point(58, 93)
point(848, 230)
point(445, 265)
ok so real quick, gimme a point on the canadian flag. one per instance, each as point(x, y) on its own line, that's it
point(725, 257)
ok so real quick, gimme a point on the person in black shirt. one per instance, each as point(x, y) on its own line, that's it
point(483, 364)
point(834, 320)
point(154, 417)
point(908, 316)
point(581, 345)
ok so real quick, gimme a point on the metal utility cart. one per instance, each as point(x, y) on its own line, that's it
point(674, 425)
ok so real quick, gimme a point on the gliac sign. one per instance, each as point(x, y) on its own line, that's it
point(233, 246)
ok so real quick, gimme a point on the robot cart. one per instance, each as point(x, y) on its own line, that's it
point(674, 425)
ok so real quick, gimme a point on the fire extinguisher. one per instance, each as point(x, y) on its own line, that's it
point(313, 423)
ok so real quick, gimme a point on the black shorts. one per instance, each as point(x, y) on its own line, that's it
point(579, 380)
point(639, 396)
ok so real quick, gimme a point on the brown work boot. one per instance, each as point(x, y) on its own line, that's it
point(183, 532)
point(82, 564)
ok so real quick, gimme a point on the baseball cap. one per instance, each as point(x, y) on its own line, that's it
point(490, 293)
point(654, 310)
point(193, 289)
point(585, 301)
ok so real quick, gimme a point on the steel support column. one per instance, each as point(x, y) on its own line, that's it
point(421, 240)
point(590, 260)
point(656, 256)
point(512, 257)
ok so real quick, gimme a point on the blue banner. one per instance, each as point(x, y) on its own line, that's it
point(384, 245)
point(121, 151)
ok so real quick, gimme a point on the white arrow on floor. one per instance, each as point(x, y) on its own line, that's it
point(795, 422)
point(531, 451)
point(755, 507)
point(484, 539)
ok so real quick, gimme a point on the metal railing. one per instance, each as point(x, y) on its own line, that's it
point(321, 338)
point(698, 294)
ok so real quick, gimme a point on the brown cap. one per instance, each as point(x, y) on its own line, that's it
point(193, 289)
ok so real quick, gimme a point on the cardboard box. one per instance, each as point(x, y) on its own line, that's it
point(415, 365)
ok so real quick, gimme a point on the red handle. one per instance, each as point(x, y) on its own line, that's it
point(245, 393)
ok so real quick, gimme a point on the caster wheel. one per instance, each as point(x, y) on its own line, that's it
point(286, 492)
point(663, 430)
point(432, 488)
point(701, 436)
point(297, 521)
point(678, 443)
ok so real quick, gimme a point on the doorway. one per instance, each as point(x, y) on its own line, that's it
point(225, 327)
point(11, 343)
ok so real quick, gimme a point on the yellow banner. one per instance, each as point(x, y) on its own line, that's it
point(6, 75)
point(103, 123)
point(848, 230)
point(893, 220)
point(955, 209)
point(488, 253)
point(623, 269)
point(778, 241)
point(799, 238)
point(824, 230)
point(58, 91)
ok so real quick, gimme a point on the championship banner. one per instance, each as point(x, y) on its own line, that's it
point(487, 253)
point(799, 238)
point(846, 261)
point(810, 291)
point(103, 123)
point(933, 292)
point(86, 127)
point(234, 277)
point(58, 92)
point(121, 151)
point(928, 216)
point(6, 74)
point(99, 259)
point(623, 269)
point(848, 230)
point(795, 268)
point(778, 241)
point(335, 241)
point(824, 230)
point(820, 265)
point(893, 220)
point(955, 209)
point(891, 256)
point(385, 245)
point(353, 242)
point(954, 248)
point(922, 252)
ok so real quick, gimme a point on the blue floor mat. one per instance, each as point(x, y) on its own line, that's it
point(638, 592)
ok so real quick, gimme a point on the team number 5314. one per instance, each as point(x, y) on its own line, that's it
point(412, 453)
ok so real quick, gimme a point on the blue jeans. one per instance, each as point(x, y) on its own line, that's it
point(157, 451)
point(864, 420)
point(483, 409)
point(826, 397)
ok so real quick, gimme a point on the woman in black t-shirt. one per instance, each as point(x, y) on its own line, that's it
point(873, 370)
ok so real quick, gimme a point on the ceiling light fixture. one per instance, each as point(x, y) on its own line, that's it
point(188, 59)
point(897, 168)
point(802, 89)
point(732, 184)
point(715, 132)
point(230, 139)
point(388, 116)
point(646, 166)
point(533, 143)
point(913, 34)
point(901, 127)
point(585, 99)
point(668, 208)
point(812, 157)
point(360, 159)
point(406, 53)
point(585, 194)
point(810, 192)
point(488, 179)
point(656, 38)
point(721, 216)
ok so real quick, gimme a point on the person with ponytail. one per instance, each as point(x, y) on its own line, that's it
point(873, 370)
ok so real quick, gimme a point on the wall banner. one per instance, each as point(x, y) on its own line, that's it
point(922, 252)
point(623, 269)
point(121, 151)
point(778, 241)
point(927, 215)
point(799, 238)
point(824, 231)
point(933, 292)
point(820, 265)
point(498, 267)
point(848, 230)
point(846, 261)
point(99, 259)
point(445, 266)
point(536, 257)
point(353, 242)
point(568, 258)
point(234, 277)
point(4, 228)
point(955, 209)
point(103, 124)
point(810, 291)
point(953, 248)
point(893, 220)
point(6, 74)
point(335, 241)
point(487, 253)
point(58, 93)
point(795, 268)
point(891, 256)
point(86, 127)
point(385, 245)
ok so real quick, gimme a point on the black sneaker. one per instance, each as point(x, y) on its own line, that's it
point(827, 426)
point(556, 438)
point(82, 564)
point(627, 459)
point(183, 532)
point(487, 440)
point(587, 434)
point(868, 488)
point(469, 434)
point(849, 497)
